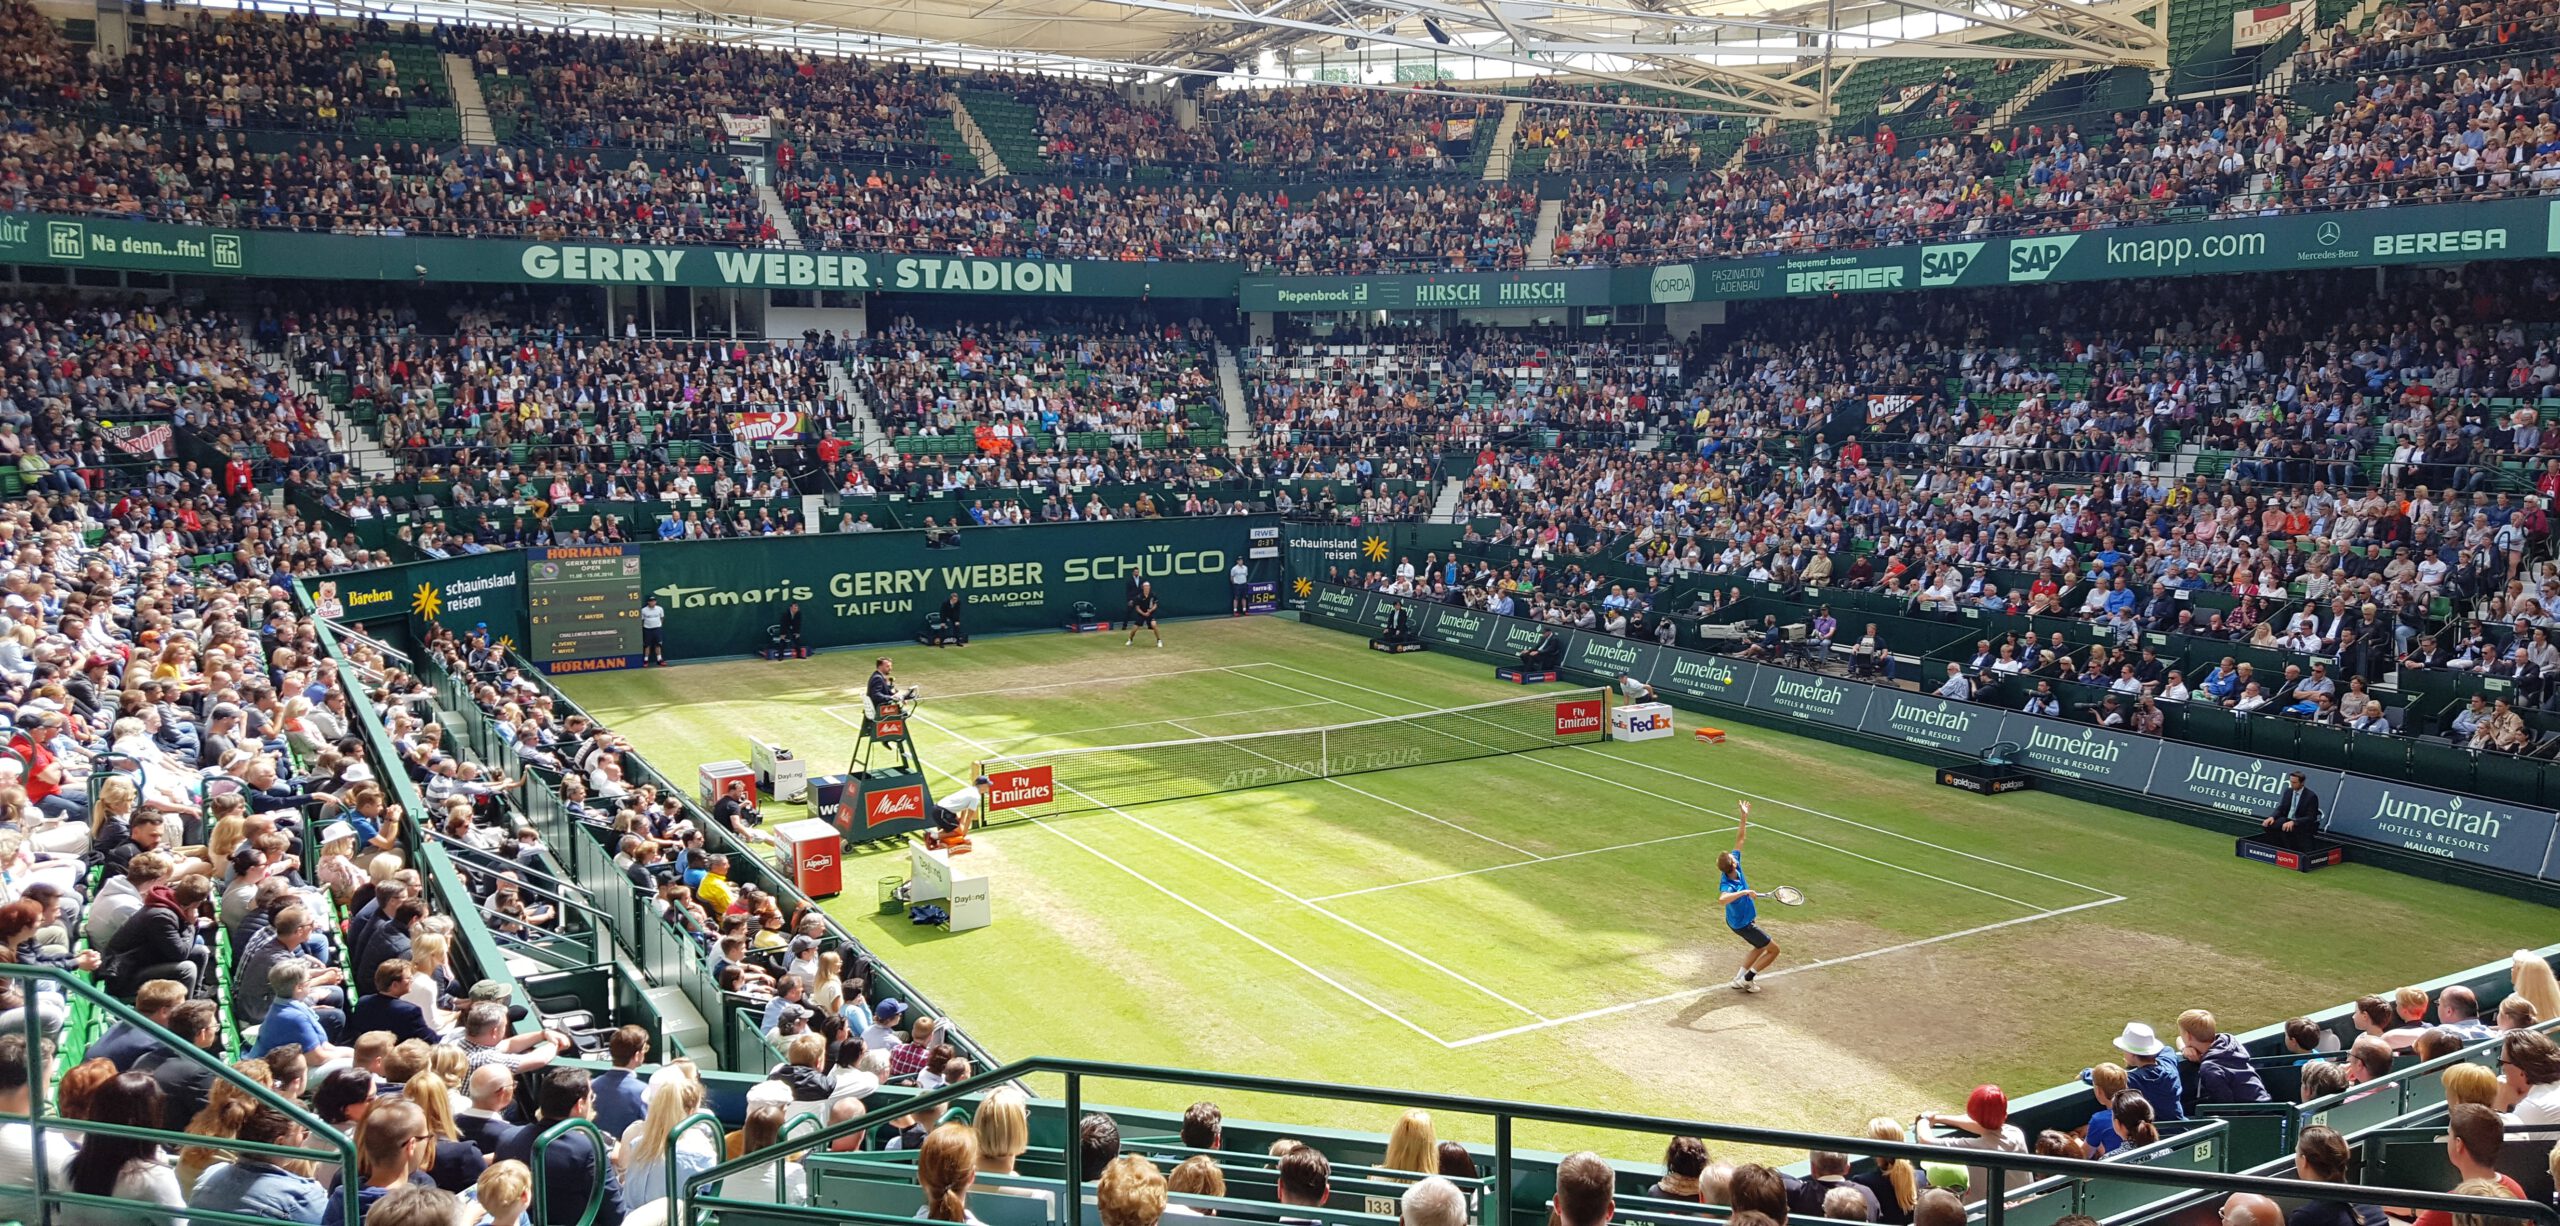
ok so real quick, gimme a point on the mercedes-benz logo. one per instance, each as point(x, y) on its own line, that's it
point(2328, 233)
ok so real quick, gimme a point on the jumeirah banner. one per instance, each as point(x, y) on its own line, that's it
point(2468, 829)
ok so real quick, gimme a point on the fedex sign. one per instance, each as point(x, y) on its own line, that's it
point(894, 804)
point(1640, 721)
point(1020, 787)
point(1579, 716)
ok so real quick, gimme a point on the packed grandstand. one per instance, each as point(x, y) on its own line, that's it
point(2306, 507)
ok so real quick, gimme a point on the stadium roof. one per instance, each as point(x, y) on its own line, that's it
point(1766, 58)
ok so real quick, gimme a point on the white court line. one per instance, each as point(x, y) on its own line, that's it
point(1723, 787)
point(1267, 884)
point(1241, 670)
point(1212, 916)
point(1687, 993)
point(1495, 868)
point(1258, 879)
point(1059, 685)
point(1372, 795)
point(1148, 723)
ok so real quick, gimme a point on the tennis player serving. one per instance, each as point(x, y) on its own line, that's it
point(1742, 911)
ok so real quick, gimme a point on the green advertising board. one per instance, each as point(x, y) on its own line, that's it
point(876, 587)
point(2454, 233)
point(103, 243)
point(2515, 229)
point(1452, 291)
point(2471, 830)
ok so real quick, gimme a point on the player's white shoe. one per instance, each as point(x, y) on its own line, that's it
point(1739, 983)
point(1159, 642)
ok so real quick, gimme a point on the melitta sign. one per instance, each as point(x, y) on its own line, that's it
point(894, 804)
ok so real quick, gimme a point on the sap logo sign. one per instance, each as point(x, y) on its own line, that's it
point(1944, 265)
point(2034, 259)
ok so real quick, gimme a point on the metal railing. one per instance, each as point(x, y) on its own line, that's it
point(1507, 1115)
point(42, 1118)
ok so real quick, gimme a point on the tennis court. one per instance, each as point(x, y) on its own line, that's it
point(1377, 864)
point(1460, 922)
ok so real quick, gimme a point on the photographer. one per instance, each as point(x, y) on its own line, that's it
point(947, 632)
point(788, 641)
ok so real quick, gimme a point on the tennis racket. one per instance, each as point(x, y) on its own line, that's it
point(1788, 895)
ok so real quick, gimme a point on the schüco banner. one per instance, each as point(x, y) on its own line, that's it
point(2467, 829)
point(720, 596)
point(81, 242)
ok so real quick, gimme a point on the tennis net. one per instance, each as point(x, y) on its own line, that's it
point(1117, 776)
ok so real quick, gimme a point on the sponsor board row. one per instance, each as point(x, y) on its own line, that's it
point(2416, 234)
point(2467, 829)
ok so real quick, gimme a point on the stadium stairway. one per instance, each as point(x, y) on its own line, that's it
point(783, 227)
point(358, 444)
point(468, 101)
point(867, 432)
point(1542, 246)
point(1446, 508)
point(990, 163)
point(2028, 93)
point(1506, 137)
point(1240, 435)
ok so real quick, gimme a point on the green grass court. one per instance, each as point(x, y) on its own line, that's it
point(1544, 925)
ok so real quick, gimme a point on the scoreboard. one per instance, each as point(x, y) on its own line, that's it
point(583, 604)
